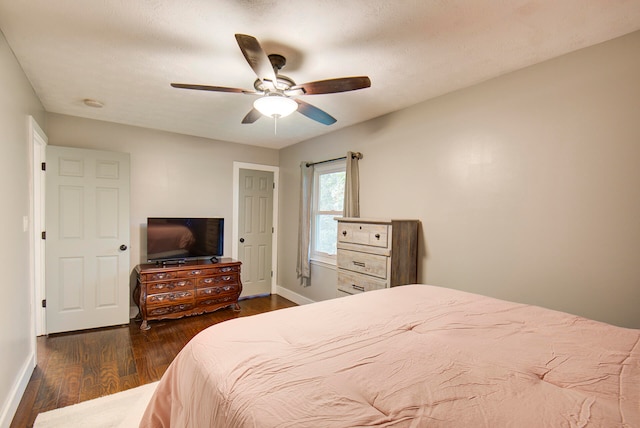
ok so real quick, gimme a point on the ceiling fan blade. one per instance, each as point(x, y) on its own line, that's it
point(256, 57)
point(330, 86)
point(252, 116)
point(315, 113)
point(210, 88)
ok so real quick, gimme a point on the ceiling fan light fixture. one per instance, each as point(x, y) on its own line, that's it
point(275, 105)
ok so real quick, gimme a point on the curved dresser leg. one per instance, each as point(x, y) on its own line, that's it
point(144, 325)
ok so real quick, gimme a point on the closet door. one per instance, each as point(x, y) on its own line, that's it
point(255, 230)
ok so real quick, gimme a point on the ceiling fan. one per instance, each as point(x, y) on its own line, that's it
point(276, 90)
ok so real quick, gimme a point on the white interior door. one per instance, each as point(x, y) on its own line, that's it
point(255, 230)
point(87, 258)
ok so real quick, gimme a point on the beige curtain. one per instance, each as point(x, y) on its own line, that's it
point(352, 186)
point(303, 268)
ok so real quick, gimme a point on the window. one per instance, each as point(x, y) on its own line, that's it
point(328, 200)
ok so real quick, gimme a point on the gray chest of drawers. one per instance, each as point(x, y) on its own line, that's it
point(375, 254)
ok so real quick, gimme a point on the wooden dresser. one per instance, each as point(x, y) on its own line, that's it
point(375, 254)
point(191, 288)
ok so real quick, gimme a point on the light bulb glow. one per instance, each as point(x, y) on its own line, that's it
point(275, 105)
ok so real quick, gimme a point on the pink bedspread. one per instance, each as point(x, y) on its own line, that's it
point(411, 356)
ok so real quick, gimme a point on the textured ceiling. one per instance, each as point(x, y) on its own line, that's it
point(125, 53)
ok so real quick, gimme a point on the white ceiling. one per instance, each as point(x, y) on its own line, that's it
point(125, 53)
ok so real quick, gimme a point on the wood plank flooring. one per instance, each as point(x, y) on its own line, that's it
point(79, 366)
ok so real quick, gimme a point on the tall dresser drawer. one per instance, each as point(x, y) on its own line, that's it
point(375, 235)
point(354, 283)
point(369, 264)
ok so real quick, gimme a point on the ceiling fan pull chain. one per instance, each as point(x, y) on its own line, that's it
point(275, 124)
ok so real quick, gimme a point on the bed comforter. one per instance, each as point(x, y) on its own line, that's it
point(410, 356)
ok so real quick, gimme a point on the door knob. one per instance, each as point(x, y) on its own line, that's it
point(241, 239)
point(123, 247)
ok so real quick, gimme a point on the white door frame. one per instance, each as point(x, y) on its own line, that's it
point(38, 143)
point(237, 166)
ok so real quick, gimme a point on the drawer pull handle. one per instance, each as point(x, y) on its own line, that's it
point(357, 287)
point(207, 280)
point(377, 236)
point(196, 272)
point(361, 264)
point(344, 233)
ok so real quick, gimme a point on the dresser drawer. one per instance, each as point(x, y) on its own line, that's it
point(226, 269)
point(353, 283)
point(164, 311)
point(211, 281)
point(217, 300)
point(192, 273)
point(170, 298)
point(168, 286)
point(375, 235)
point(217, 290)
point(158, 276)
point(370, 264)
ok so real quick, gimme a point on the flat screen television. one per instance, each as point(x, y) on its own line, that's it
point(175, 240)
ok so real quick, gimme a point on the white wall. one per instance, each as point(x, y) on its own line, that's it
point(17, 352)
point(172, 175)
point(527, 186)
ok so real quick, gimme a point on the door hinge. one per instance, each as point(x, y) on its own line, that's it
point(44, 303)
point(273, 229)
point(271, 274)
point(274, 185)
point(44, 235)
point(43, 166)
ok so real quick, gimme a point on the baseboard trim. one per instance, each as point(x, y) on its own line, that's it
point(293, 296)
point(17, 391)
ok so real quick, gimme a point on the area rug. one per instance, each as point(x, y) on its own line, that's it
point(122, 410)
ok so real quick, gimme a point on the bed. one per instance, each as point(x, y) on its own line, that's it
point(410, 356)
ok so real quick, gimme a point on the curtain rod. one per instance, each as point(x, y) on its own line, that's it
point(355, 155)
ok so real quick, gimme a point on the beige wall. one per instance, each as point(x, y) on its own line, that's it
point(526, 185)
point(172, 175)
point(17, 351)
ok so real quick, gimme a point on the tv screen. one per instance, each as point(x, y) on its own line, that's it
point(178, 239)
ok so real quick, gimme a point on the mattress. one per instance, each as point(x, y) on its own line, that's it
point(410, 356)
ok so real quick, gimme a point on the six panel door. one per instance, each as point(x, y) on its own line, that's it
point(87, 257)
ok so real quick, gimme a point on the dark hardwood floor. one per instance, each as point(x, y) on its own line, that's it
point(79, 366)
